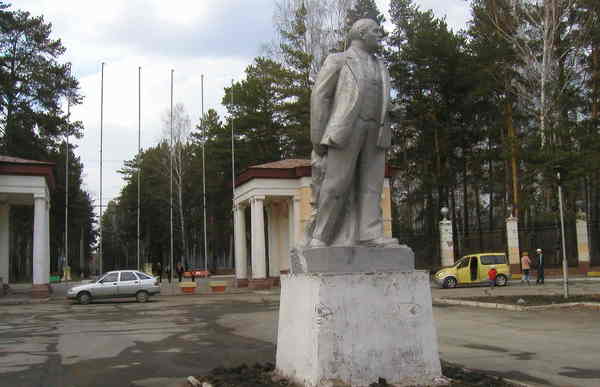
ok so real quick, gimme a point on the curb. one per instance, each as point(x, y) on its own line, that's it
point(25, 301)
point(515, 383)
point(517, 308)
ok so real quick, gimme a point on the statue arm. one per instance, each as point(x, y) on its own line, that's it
point(322, 96)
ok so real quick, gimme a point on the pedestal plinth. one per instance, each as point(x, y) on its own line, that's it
point(357, 327)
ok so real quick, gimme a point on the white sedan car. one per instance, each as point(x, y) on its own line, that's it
point(117, 284)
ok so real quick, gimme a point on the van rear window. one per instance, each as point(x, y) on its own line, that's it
point(493, 259)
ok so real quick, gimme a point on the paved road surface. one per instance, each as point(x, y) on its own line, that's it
point(123, 343)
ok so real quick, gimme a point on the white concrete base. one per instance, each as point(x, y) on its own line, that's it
point(355, 328)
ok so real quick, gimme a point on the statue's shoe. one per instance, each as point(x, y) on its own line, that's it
point(381, 242)
point(316, 243)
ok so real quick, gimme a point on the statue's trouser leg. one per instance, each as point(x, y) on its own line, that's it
point(370, 174)
point(340, 177)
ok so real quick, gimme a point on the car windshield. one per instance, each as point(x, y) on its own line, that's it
point(108, 277)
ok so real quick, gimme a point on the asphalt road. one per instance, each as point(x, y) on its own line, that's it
point(122, 343)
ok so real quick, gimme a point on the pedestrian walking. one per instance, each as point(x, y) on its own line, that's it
point(525, 266)
point(540, 267)
point(179, 271)
point(159, 272)
point(492, 273)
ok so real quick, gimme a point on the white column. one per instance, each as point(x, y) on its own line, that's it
point(4, 241)
point(296, 220)
point(47, 239)
point(512, 239)
point(259, 264)
point(291, 232)
point(583, 246)
point(446, 242)
point(275, 239)
point(41, 251)
point(271, 236)
point(241, 253)
point(285, 235)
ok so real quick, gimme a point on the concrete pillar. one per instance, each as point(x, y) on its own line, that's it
point(446, 243)
point(47, 239)
point(273, 238)
point(41, 248)
point(291, 229)
point(259, 264)
point(4, 241)
point(241, 253)
point(297, 221)
point(512, 240)
point(583, 246)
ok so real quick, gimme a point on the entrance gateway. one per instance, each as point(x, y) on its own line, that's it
point(27, 183)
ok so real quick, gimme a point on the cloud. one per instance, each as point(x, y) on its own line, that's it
point(217, 38)
point(214, 29)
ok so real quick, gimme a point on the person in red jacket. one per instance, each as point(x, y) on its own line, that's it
point(492, 273)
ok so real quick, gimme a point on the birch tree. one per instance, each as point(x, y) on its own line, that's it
point(534, 29)
point(325, 22)
point(179, 137)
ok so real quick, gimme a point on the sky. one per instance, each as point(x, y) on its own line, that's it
point(216, 39)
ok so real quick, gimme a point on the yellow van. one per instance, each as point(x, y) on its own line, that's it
point(473, 269)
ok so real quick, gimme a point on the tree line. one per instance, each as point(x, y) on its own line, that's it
point(491, 114)
point(35, 88)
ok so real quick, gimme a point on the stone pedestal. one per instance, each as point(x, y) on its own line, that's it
point(40, 291)
point(512, 241)
point(241, 283)
point(583, 246)
point(259, 283)
point(354, 328)
point(352, 259)
point(446, 243)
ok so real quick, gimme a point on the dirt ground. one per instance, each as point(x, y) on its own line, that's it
point(262, 375)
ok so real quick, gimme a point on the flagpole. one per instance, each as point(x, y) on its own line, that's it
point(67, 187)
point(204, 171)
point(101, 134)
point(139, 161)
point(171, 178)
point(233, 170)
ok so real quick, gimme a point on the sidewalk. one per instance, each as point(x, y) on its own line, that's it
point(21, 293)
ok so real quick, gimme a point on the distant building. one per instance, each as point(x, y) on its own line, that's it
point(27, 182)
point(280, 189)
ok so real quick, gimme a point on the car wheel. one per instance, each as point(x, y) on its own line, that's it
point(84, 298)
point(141, 296)
point(501, 280)
point(450, 283)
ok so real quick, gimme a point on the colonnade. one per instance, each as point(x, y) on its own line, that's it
point(270, 253)
point(41, 243)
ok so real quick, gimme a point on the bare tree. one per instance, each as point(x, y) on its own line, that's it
point(325, 27)
point(182, 126)
point(534, 28)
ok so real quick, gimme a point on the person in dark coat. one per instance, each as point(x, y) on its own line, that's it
point(159, 272)
point(179, 269)
point(540, 267)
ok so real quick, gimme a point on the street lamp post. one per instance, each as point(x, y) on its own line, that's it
point(562, 233)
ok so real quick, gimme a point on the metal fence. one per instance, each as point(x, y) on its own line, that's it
point(544, 236)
